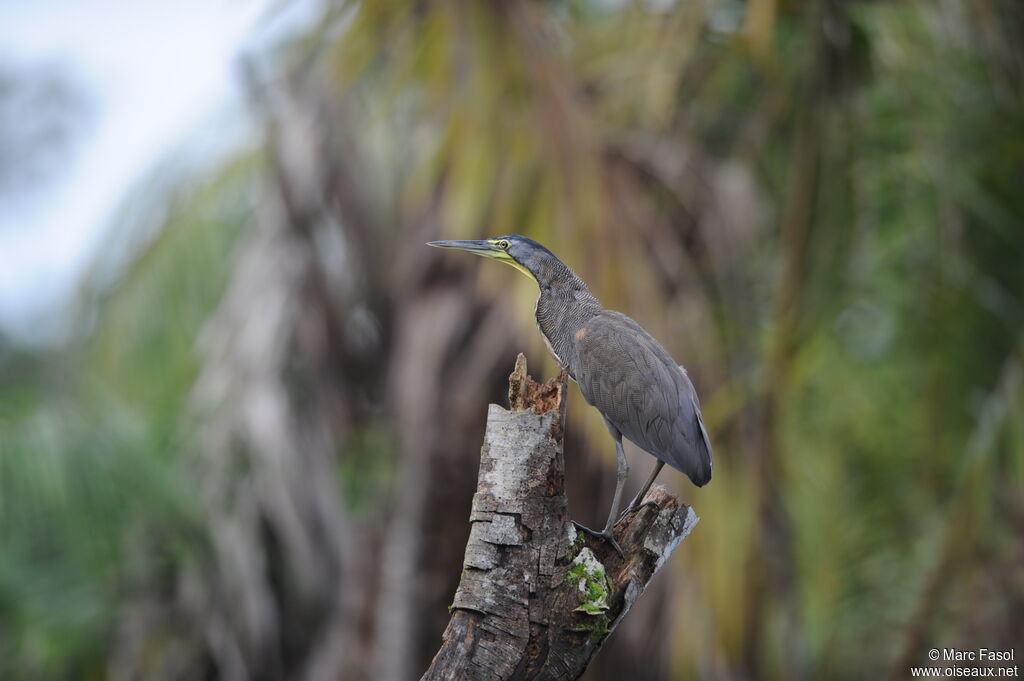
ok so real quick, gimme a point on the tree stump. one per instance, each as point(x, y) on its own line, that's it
point(537, 598)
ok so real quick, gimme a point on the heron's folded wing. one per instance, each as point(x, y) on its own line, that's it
point(630, 378)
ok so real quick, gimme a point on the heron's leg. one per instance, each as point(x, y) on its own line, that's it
point(635, 504)
point(620, 482)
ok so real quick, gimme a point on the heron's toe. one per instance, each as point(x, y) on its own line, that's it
point(605, 534)
point(633, 508)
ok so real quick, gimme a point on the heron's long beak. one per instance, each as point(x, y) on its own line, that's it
point(488, 248)
point(484, 248)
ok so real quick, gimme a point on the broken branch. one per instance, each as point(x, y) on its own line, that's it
point(538, 599)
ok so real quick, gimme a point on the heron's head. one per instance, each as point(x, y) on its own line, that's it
point(525, 254)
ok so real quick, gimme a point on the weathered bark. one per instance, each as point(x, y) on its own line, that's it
point(537, 598)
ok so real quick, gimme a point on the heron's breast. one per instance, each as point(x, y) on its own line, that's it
point(550, 347)
point(537, 315)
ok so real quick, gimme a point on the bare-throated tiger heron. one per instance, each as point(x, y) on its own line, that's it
point(620, 368)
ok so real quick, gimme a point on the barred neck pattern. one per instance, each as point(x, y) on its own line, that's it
point(564, 306)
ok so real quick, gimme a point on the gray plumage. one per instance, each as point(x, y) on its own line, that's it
point(621, 369)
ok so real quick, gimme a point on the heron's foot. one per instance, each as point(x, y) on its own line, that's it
point(605, 534)
point(635, 505)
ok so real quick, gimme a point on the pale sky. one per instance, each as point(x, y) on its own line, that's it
point(152, 72)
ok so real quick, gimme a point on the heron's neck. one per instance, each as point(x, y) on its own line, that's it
point(564, 306)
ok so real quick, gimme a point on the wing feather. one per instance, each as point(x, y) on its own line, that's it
point(630, 378)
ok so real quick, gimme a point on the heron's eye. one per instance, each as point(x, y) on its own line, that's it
point(504, 244)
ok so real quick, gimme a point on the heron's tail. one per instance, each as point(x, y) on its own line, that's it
point(702, 473)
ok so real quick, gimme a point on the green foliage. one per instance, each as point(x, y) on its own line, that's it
point(144, 349)
point(365, 479)
point(77, 482)
point(90, 445)
point(877, 150)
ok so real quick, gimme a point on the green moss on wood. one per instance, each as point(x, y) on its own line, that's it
point(587, 576)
